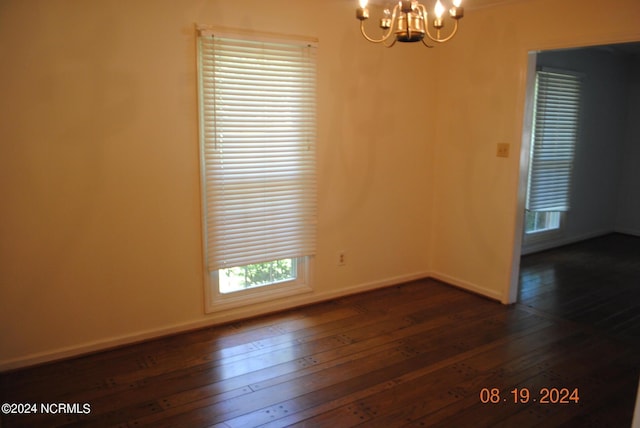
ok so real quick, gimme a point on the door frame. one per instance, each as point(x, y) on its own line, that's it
point(526, 97)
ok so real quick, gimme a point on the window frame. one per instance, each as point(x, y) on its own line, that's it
point(215, 300)
point(532, 238)
point(537, 236)
point(559, 219)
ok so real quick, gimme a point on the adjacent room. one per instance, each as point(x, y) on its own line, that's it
point(389, 269)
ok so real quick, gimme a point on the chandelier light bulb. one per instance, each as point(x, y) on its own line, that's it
point(362, 13)
point(457, 3)
point(439, 9)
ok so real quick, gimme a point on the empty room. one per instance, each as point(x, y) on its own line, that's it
point(320, 213)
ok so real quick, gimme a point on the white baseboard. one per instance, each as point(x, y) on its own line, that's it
point(632, 232)
point(210, 320)
point(466, 285)
point(98, 345)
point(558, 242)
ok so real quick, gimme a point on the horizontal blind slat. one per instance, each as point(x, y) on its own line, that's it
point(553, 141)
point(258, 130)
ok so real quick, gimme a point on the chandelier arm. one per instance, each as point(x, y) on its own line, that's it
point(390, 45)
point(437, 39)
point(425, 43)
point(386, 36)
point(383, 39)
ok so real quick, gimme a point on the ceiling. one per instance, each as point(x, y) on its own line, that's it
point(467, 4)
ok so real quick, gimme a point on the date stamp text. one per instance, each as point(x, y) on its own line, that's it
point(524, 395)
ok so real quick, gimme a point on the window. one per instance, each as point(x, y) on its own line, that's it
point(555, 129)
point(239, 278)
point(257, 141)
point(542, 221)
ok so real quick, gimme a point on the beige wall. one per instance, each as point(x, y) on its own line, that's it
point(477, 207)
point(99, 182)
point(100, 234)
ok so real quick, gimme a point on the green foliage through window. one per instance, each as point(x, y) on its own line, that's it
point(256, 275)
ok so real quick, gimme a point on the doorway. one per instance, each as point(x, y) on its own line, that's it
point(605, 183)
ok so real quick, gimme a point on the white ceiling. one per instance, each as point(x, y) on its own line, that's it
point(467, 4)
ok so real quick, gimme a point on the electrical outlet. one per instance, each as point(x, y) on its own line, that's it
point(342, 258)
point(503, 150)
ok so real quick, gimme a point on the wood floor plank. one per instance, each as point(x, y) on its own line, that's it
point(464, 378)
point(387, 325)
point(402, 348)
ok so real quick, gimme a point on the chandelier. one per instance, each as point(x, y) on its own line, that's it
point(408, 21)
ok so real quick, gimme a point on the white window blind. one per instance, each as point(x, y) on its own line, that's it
point(557, 108)
point(258, 132)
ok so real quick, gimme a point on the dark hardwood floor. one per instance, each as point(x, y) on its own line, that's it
point(594, 282)
point(417, 355)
